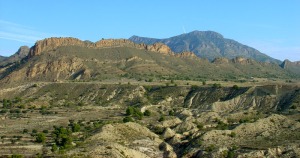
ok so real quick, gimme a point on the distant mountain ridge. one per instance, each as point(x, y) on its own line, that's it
point(19, 55)
point(2, 58)
point(208, 44)
point(293, 67)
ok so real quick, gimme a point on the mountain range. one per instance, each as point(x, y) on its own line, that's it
point(58, 59)
point(208, 44)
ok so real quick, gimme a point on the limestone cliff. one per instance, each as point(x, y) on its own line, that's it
point(54, 42)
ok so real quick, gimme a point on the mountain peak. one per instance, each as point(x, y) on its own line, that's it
point(209, 45)
point(206, 33)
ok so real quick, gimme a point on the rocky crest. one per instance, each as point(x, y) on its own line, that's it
point(52, 43)
point(18, 56)
point(286, 63)
point(186, 55)
point(293, 67)
point(241, 60)
point(220, 60)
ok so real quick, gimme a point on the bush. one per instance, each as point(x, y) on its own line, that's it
point(127, 119)
point(199, 125)
point(222, 126)
point(236, 87)
point(216, 85)
point(40, 138)
point(62, 137)
point(147, 113)
point(25, 131)
point(54, 148)
point(232, 134)
point(16, 156)
point(75, 127)
point(135, 112)
point(129, 111)
point(210, 148)
point(162, 118)
point(171, 113)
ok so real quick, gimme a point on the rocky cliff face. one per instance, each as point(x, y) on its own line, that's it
point(186, 55)
point(52, 43)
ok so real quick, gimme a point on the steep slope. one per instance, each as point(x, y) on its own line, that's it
point(291, 66)
point(208, 44)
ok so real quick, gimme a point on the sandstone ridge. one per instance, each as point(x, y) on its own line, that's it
point(54, 42)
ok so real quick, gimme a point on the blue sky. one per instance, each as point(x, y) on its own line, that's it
point(271, 26)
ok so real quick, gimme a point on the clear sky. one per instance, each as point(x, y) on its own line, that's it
point(271, 26)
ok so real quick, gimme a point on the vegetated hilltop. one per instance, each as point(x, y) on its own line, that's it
point(59, 59)
point(208, 44)
point(293, 67)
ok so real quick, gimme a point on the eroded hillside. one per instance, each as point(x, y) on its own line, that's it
point(164, 120)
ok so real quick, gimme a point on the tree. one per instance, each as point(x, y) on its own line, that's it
point(40, 138)
point(62, 137)
point(203, 82)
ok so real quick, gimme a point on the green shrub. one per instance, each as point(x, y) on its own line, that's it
point(40, 138)
point(222, 126)
point(16, 156)
point(147, 113)
point(235, 87)
point(129, 111)
point(162, 118)
point(232, 134)
point(54, 148)
point(127, 119)
point(25, 130)
point(210, 148)
point(216, 85)
point(34, 131)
